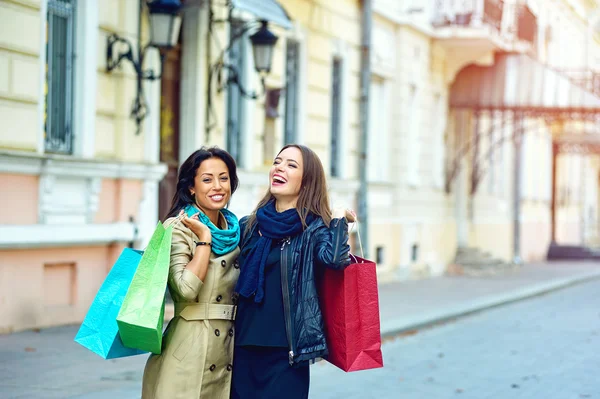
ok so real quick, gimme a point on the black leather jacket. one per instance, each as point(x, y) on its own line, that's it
point(303, 259)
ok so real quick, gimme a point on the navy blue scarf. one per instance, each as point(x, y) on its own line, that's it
point(273, 226)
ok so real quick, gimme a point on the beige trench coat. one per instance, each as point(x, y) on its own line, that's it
point(197, 352)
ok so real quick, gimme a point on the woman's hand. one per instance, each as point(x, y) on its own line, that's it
point(197, 227)
point(344, 213)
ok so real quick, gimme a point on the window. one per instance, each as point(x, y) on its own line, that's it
point(440, 109)
point(500, 155)
point(292, 68)
point(378, 159)
point(236, 118)
point(379, 255)
point(414, 252)
point(527, 26)
point(60, 39)
point(526, 189)
point(272, 97)
point(269, 147)
point(491, 153)
point(336, 117)
point(547, 190)
point(414, 143)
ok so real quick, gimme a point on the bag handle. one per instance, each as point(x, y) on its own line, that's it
point(171, 223)
point(178, 218)
point(362, 253)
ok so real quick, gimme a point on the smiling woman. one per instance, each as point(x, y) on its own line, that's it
point(288, 241)
point(206, 173)
point(286, 178)
point(212, 187)
point(197, 353)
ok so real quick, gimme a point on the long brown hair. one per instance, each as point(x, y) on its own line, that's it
point(313, 197)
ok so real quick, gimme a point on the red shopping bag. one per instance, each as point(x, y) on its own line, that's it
point(350, 305)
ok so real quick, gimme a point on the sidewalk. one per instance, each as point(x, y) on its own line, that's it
point(48, 364)
point(410, 305)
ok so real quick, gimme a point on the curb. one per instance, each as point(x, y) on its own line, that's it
point(402, 325)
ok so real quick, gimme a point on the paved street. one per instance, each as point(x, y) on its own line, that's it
point(542, 348)
point(547, 347)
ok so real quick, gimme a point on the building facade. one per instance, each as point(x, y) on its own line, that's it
point(77, 181)
point(82, 178)
point(483, 96)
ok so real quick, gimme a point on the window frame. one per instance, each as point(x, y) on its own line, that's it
point(66, 144)
point(379, 138)
point(241, 51)
point(337, 121)
point(85, 79)
point(291, 108)
point(414, 140)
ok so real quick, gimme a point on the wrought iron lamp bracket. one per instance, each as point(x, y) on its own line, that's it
point(233, 77)
point(113, 60)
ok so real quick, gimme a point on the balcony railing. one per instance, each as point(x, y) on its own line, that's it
point(469, 13)
point(510, 19)
point(586, 79)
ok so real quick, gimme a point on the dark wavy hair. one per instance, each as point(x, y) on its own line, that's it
point(187, 174)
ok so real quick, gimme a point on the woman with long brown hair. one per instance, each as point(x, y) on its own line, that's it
point(286, 243)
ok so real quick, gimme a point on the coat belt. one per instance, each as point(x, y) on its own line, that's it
point(205, 311)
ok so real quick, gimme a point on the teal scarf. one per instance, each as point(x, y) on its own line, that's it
point(223, 241)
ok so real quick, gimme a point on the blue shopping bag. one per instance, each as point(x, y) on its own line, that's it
point(99, 331)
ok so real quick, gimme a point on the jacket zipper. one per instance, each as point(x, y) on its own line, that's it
point(286, 299)
point(337, 243)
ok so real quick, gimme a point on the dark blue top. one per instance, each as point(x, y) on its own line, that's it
point(262, 324)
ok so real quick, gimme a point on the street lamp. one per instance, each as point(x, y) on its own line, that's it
point(263, 43)
point(165, 23)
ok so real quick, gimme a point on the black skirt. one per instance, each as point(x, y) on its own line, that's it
point(264, 372)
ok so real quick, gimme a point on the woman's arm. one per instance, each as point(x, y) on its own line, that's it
point(332, 249)
point(188, 266)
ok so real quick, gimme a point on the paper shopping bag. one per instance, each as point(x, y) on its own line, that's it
point(349, 302)
point(141, 317)
point(99, 331)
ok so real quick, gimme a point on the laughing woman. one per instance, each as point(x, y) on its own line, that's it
point(196, 359)
point(287, 242)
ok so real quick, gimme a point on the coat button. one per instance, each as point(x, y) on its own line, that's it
point(219, 298)
point(223, 263)
point(236, 264)
point(229, 367)
point(212, 367)
point(231, 332)
point(217, 332)
point(234, 298)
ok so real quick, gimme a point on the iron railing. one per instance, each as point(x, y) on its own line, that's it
point(469, 13)
point(586, 79)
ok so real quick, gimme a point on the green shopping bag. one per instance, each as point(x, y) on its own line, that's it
point(141, 317)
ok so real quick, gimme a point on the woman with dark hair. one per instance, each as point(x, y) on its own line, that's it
point(286, 243)
point(197, 353)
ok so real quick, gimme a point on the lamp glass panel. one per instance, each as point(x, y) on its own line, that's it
point(263, 55)
point(175, 30)
point(160, 29)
